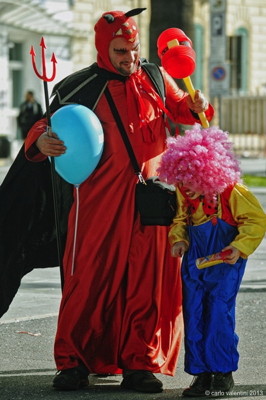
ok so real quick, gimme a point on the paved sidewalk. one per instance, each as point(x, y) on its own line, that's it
point(27, 333)
point(27, 365)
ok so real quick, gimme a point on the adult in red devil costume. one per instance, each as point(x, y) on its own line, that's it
point(121, 307)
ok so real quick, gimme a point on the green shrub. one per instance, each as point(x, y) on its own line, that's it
point(253, 180)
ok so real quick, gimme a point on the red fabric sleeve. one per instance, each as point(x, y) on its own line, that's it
point(176, 102)
point(227, 215)
point(32, 152)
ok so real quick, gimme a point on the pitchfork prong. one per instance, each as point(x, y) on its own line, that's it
point(43, 76)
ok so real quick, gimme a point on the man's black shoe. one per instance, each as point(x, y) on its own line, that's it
point(141, 381)
point(200, 386)
point(70, 379)
point(222, 382)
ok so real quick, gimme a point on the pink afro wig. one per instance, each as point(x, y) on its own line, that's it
point(202, 159)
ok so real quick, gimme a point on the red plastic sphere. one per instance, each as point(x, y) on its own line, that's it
point(179, 61)
point(168, 35)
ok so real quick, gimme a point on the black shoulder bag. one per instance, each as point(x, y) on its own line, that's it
point(156, 201)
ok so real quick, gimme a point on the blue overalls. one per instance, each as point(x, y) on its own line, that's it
point(209, 297)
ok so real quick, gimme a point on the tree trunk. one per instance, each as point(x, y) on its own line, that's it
point(169, 14)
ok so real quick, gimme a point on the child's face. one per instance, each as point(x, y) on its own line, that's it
point(190, 192)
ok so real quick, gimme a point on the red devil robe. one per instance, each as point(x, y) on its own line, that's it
point(121, 305)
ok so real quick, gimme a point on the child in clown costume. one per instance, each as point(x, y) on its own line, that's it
point(216, 212)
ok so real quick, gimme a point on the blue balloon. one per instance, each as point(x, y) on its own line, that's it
point(82, 133)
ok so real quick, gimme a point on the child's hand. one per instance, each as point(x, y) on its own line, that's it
point(178, 249)
point(233, 256)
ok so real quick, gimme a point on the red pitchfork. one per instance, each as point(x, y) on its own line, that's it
point(44, 76)
point(45, 79)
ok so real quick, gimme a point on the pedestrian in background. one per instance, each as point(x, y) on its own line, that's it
point(30, 111)
point(216, 213)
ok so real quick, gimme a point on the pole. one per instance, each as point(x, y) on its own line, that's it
point(45, 79)
point(54, 186)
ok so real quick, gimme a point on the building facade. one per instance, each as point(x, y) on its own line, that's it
point(22, 25)
point(229, 39)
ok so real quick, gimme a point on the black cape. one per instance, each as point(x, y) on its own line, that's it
point(27, 223)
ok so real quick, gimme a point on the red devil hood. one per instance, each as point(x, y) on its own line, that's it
point(111, 25)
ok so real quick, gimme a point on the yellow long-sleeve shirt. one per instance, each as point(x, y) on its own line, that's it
point(246, 211)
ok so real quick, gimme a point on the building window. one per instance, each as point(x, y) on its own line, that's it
point(238, 57)
point(16, 87)
point(15, 51)
point(15, 72)
point(198, 45)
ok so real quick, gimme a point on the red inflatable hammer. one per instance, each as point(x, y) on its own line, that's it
point(178, 59)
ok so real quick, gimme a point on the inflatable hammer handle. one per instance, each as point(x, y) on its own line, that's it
point(189, 85)
point(213, 259)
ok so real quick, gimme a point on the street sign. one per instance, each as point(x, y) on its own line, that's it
point(217, 24)
point(218, 36)
point(218, 73)
point(218, 67)
point(219, 78)
point(218, 5)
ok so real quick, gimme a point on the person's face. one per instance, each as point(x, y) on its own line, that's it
point(124, 55)
point(29, 97)
point(190, 192)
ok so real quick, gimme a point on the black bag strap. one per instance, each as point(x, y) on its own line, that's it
point(154, 72)
point(124, 135)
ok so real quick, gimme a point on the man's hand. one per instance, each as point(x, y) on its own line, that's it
point(200, 103)
point(178, 249)
point(50, 145)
